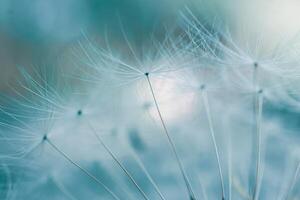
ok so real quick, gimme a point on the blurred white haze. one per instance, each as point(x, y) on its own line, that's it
point(149, 99)
point(29, 28)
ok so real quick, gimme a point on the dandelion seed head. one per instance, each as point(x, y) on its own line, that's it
point(189, 117)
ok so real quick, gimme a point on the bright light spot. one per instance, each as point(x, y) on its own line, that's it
point(271, 20)
point(174, 103)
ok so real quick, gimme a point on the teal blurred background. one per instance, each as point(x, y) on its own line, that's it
point(40, 32)
point(37, 32)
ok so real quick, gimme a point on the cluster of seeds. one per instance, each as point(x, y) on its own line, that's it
point(195, 116)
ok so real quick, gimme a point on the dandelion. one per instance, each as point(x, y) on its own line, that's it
point(30, 135)
point(208, 94)
point(145, 70)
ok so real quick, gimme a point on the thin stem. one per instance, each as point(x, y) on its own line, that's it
point(87, 173)
point(254, 131)
point(62, 188)
point(140, 163)
point(119, 163)
point(213, 137)
point(202, 190)
point(186, 180)
point(241, 191)
point(259, 109)
point(230, 167)
point(293, 182)
point(254, 156)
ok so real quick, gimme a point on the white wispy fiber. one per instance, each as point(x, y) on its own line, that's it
point(195, 116)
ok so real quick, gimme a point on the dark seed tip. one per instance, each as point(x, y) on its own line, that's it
point(255, 64)
point(202, 87)
point(45, 137)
